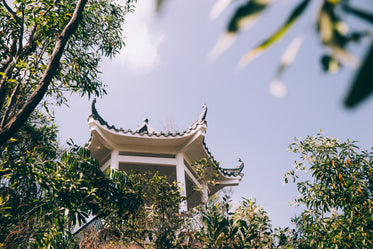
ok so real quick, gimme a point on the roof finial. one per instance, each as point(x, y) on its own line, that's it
point(93, 107)
point(202, 117)
point(95, 114)
point(145, 127)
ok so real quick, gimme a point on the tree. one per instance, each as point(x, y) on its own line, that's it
point(332, 27)
point(45, 191)
point(337, 192)
point(156, 220)
point(50, 47)
point(247, 226)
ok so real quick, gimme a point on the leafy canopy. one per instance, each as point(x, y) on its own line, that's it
point(46, 191)
point(337, 192)
point(48, 48)
point(157, 219)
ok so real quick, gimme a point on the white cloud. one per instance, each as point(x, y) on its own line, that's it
point(141, 53)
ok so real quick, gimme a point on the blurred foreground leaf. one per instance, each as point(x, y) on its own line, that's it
point(277, 35)
point(362, 86)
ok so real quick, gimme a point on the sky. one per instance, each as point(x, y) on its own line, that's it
point(163, 74)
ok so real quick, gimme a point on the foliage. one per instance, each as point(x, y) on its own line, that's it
point(45, 192)
point(248, 226)
point(332, 27)
point(50, 47)
point(207, 171)
point(157, 221)
point(46, 49)
point(338, 198)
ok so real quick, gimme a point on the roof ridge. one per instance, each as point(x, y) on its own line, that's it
point(145, 128)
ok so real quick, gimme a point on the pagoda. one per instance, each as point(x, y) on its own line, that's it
point(172, 154)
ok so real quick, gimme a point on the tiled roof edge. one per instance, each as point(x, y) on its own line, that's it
point(237, 171)
point(201, 121)
point(233, 172)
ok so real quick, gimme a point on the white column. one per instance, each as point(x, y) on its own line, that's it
point(204, 193)
point(180, 178)
point(114, 160)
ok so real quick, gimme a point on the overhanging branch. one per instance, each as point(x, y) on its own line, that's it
point(12, 126)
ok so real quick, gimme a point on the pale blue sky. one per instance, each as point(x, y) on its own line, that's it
point(163, 75)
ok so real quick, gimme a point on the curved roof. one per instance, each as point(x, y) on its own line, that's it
point(145, 130)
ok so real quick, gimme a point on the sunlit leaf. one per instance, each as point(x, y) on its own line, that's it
point(296, 13)
point(222, 45)
point(277, 88)
point(218, 8)
point(292, 51)
point(325, 27)
point(244, 17)
point(345, 57)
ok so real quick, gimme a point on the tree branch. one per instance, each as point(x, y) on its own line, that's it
point(26, 50)
point(16, 122)
point(50, 8)
point(21, 31)
point(11, 12)
point(11, 104)
point(8, 70)
point(40, 56)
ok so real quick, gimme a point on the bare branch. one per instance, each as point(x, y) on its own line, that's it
point(38, 59)
point(3, 81)
point(10, 106)
point(26, 50)
point(8, 70)
point(50, 8)
point(13, 48)
point(20, 38)
point(6, 63)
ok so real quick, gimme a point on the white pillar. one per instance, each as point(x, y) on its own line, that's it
point(180, 178)
point(204, 193)
point(114, 160)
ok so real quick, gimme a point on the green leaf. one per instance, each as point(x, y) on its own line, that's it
point(244, 17)
point(159, 5)
point(362, 86)
point(245, 14)
point(218, 8)
point(296, 13)
point(358, 13)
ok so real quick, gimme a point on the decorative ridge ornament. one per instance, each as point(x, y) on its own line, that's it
point(202, 117)
point(146, 128)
